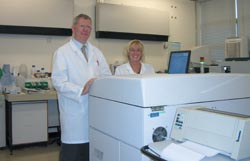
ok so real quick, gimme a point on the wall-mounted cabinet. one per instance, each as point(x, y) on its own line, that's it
point(130, 22)
point(31, 17)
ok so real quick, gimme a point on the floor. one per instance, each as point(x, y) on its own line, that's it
point(32, 153)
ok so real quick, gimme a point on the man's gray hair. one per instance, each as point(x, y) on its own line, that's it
point(84, 16)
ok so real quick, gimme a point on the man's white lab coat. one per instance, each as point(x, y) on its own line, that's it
point(70, 73)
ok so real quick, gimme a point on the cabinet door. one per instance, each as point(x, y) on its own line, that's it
point(53, 116)
point(2, 122)
point(29, 122)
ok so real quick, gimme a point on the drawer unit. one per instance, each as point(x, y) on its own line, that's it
point(2, 122)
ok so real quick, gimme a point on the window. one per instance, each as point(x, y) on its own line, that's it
point(216, 23)
point(243, 18)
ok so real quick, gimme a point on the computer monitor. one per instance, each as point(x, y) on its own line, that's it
point(179, 62)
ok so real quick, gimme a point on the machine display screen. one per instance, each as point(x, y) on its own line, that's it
point(179, 62)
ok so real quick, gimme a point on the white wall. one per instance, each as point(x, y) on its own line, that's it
point(32, 49)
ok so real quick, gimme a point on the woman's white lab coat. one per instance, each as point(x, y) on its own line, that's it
point(126, 69)
point(70, 73)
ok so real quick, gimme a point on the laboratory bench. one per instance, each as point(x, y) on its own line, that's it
point(27, 117)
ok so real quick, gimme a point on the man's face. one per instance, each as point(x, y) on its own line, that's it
point(82, 30)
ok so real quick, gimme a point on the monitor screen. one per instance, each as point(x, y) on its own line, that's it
point(179, 62)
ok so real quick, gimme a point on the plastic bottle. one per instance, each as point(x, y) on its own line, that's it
point(202, 62)
point(15, 73)
point(1, 73)
point(46, 75)
point(33, 71)
point(38, 74)
point(42, 74)
point(1, 88)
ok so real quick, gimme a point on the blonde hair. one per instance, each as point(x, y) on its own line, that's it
point(138, 43)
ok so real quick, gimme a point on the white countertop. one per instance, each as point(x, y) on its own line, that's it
point(39, 96)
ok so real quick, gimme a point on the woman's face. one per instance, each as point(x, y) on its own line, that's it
point(135, 53)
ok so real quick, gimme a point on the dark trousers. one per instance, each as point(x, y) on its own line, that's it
point(74, 152)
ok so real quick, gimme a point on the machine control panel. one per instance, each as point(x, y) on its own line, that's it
point(179, 120)
point(157, 108)
point(156, 111)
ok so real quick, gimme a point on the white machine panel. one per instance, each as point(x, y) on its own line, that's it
point(136, 125)
point(231, 67)
point(226, 132)
point(128, 112)
point(169, 89)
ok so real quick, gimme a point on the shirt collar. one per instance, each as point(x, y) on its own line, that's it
point(79, 44)
point(129, 68)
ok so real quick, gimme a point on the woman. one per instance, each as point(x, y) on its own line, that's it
point(135, 65)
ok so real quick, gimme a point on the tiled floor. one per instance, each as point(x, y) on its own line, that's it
point(33, 153)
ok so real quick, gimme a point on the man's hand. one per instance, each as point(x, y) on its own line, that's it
point(87, 85)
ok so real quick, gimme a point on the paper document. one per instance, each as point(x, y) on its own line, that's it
point(209, 152)
point(187, 151)
point(176, 152)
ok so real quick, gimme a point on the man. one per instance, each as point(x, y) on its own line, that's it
point(72, 76)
